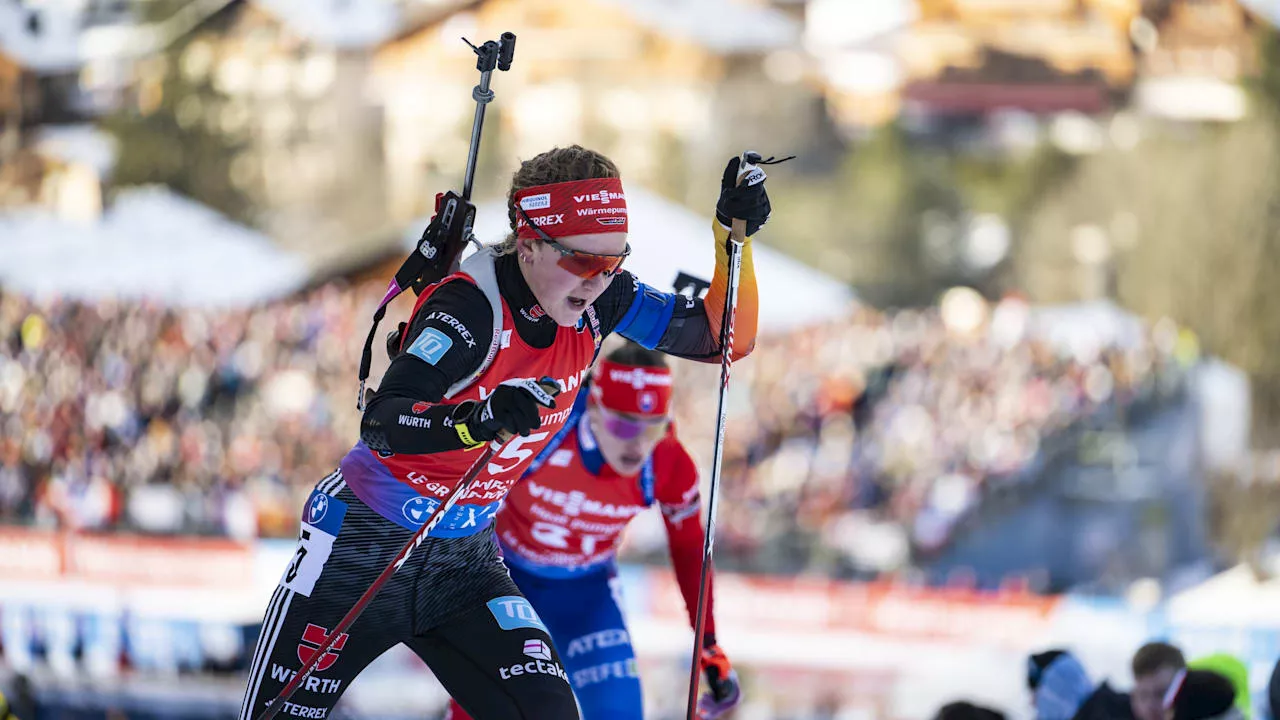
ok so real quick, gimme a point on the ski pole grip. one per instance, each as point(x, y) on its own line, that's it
point(748, 174)
point(748, 171)
point(507, 51)
point(551, 387)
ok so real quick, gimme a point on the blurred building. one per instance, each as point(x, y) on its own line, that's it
point(1195, 52)
point(55, 73)
point(13, 103)
point(59, 169)
point(55, 42)
point(663, 88)
point(939, 60)
point(285, 82)
point(973, 58)
point(852, 46)
point(33, 56)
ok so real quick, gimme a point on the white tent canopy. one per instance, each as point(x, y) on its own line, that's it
point(150, 243)
point(668, 238)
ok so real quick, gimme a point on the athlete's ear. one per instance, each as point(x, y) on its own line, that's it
point(524, 248)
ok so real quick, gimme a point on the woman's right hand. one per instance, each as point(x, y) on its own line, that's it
point(513, 407)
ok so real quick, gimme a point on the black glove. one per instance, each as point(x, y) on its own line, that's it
point(748, 202)
point(512, 407)
point(722, 681)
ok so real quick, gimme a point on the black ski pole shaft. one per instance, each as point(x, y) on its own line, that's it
point(737, 239)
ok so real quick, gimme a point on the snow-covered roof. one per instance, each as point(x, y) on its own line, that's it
point(78, 144)
point(832, 24)
point(150, 243)
point(66, 38)
point(1269, 10)
point(668, 238)
point(340, 23)
point(54, 46)
point(725, 26)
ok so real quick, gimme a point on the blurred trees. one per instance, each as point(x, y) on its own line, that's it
point(171, 132)
point(1176, 219)
point(1190, 217)
point(892, 218)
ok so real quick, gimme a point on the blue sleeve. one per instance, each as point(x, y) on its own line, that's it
point(648, 317)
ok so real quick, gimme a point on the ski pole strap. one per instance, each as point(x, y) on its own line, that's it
point(366, 355)
point(774, 160)
point(595, 331)
point(410, 271)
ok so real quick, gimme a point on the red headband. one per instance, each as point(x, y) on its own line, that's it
point(634, 390)
point(581, 207)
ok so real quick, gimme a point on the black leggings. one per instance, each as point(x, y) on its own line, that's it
point(452, 603)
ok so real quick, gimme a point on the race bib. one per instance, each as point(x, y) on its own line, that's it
point(321, 522)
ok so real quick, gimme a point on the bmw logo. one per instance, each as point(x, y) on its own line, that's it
point(417, 509)
point(648, 401)
point(319, 506)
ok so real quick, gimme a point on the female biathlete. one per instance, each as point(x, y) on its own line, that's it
point(536, 305)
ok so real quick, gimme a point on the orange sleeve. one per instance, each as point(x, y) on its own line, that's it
point(748, 310)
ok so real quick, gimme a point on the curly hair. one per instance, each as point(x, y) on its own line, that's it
point(556, 165)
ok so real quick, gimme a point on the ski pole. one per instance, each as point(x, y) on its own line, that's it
point(737, 237)
point(420, 535)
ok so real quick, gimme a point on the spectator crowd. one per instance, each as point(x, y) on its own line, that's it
point(866, 438)
point(883, 426)
point(132, 416)
point(1165, 687)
